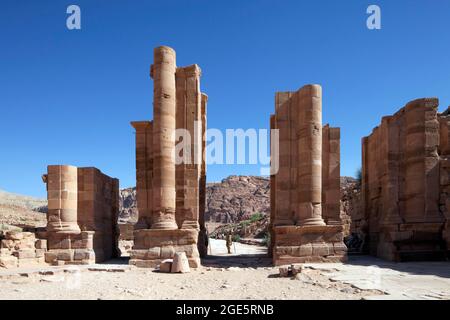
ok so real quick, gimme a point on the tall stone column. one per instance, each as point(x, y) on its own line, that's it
point(144, 172)
point(62, 187)
point(283, 215)
point(422, 175)
point(203, 248)
point(365, 199)
point(273, 186)
point(188, 118)
point(310, 157)
point(325, 169)
point(164, 108)
point(389, 179)
point(334, 177)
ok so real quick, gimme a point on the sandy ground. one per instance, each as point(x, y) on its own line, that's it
point(245, 274)
point(206, 284)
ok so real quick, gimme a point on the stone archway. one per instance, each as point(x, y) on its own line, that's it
point(305, 220)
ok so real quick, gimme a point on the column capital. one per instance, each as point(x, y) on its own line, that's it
point(141, 125)
point(189, 71)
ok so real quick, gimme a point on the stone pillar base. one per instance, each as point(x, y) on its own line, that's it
point(151, 246)
point(70, 248)
point(302, 244)
point(410, 242)
point(446, 234)
point(203, 243)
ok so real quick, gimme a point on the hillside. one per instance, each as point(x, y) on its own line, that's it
point(17, 209)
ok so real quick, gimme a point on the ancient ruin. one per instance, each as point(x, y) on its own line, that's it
point(169, 191)
point(406, 185)
point(305, 197)
point(83, 206)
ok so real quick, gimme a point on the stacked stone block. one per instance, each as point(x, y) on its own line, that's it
point(19, 249)
point(83, 207)
point(98, 210)
point(305, 191)
point(404, 186)
point(169, 193)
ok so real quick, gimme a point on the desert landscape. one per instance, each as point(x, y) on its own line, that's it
point(225, 151)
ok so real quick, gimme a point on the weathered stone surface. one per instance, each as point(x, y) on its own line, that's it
point(8, 262)
point(305, 190)
point(283, 271)
point(166, 265)
point(180, 263)
point(404, 184)
point(169, 184)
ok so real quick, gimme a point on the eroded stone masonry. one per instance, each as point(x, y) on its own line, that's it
point(406, 185)
point(305, 190)
point(171, 195)
point(83, 208)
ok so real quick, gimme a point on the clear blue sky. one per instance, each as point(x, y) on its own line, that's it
point(67, 97)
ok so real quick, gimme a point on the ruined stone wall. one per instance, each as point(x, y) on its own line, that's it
point(83, 207)
point(169, 191)
point(444, 173)
point(402, 193)
point(98, 210)
point(305, 191)
point(21, 249)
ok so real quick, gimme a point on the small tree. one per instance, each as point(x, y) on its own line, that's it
point(266, 241)
point(256, 217)
point(359, 175)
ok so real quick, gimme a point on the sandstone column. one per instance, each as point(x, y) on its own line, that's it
point(164, 108)
point(310, 157)
point(389, 136)
point(283, 214)
point(202, 187)
point(325, 169)
point(188, 118)
point(273, 187)
point(334, 178)
point(144, 172)
point(365, 189)
point(62, 187)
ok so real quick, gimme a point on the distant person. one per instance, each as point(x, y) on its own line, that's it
point(229, 242)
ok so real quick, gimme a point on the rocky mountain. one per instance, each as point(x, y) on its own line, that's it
point(350, 200)
point(128, 206)
point(237, 198)
point(232, 200)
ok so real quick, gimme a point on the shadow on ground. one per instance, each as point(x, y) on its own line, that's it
point(435, 268)
point(240, 261)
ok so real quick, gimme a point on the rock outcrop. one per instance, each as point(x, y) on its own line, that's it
point(128, 206)
point(237, 198)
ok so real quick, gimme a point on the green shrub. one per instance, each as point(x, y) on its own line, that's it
point(359, 175)
point(266, 241)
point(256, 217)
point(236, 238)
point(245, 223)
